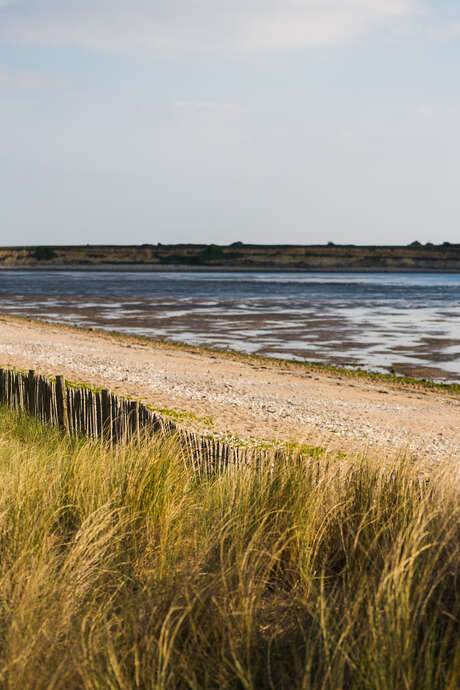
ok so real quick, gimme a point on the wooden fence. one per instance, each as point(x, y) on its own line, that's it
point(81, 411)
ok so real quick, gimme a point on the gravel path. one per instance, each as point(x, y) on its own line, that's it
point(247, 397)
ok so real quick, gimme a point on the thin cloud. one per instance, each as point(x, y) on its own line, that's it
point(208, 106)
point(29, 80)
point(204, 25)
point(451, 29)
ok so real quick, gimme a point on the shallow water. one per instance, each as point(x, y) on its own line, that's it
point(407, 323)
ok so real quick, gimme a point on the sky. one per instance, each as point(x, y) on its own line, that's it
point(261, 121)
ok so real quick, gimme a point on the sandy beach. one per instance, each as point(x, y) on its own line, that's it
point(251, 398)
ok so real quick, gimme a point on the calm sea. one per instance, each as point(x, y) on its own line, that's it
point(406, 323)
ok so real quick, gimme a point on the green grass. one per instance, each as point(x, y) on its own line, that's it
point(119, 569)
point(180, 415)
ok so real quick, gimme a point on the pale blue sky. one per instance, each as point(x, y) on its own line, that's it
point(271, 121)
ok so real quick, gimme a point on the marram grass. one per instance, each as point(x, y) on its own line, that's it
point(120, 569)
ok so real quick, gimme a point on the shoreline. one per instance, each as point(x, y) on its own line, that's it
point(185, 268)
point(328, 368)
point(359, 339)
point(229, 394)
point(399, 381)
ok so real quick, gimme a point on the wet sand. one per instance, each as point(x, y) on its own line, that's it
point(248, 397)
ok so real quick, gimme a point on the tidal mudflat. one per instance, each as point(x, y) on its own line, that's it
point(391, 323)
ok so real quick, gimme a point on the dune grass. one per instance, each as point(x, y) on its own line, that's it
point(121, 569)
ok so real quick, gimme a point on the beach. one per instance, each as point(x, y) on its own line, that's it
point(399, 324)
point(250, 398)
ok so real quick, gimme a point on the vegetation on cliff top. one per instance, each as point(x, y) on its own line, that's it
point(238, 255)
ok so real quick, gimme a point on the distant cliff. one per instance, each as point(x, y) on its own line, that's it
point(415, 257)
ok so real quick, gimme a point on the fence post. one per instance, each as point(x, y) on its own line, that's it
point(135, 421)
point(61, 402)
point(106, 416)
point(31, 391)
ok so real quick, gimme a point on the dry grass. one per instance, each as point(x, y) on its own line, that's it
point(122, 570)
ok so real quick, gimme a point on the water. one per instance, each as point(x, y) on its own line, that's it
point(406, 323)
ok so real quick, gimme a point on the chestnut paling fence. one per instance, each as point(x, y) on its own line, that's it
point(80, 411)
